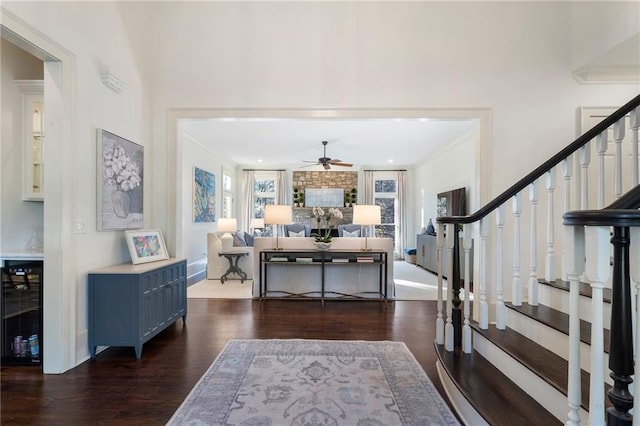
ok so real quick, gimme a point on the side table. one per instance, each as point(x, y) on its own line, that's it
point(233, 257)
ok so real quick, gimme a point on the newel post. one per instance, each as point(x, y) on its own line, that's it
point(621, 335)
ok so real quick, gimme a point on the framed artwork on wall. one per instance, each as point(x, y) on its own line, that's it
point(120, 183)
point(146, 246)
point(204, 196)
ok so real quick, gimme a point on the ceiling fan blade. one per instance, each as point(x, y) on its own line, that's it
point(326, 166)
point(310, 165)
point(340, 163)
point(310, 161)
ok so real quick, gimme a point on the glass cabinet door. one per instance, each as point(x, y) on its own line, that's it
point(33, 118)
point(34, 173)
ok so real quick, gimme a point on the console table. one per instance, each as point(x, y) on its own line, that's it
point(324, 261)
point(130, 304)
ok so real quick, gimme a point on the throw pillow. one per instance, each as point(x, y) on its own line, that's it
point(238, 239)
point(248, 238)
point(296, 234)
point(354, 234)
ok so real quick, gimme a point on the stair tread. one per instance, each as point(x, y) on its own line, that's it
point(498, 399)
point(550, 367)
point(558, 320)
point(585, 289)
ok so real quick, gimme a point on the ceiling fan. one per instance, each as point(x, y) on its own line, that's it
point(327, 162)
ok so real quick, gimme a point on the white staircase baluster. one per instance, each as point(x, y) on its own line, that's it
point(634, 270)
point(550, 259)
point(601, 149)
point(585, 159)
point(618, 136)
point(448, 331)
point(533, 247)
point(567, 172)
point(597, 272)
point(634, 123)
point(574, 257)
point(440, 319)
point(484, 304)
point(516, 286)
point(466, 245)
point(500, 308)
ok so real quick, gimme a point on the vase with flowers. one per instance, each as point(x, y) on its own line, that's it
point(325, 222)
point(123, 174)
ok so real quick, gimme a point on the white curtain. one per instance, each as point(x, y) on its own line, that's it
point(401, 222)
point(368, 187)
point(247, 209)
point(282, 188)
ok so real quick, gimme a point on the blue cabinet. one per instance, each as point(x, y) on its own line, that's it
point(130, 304)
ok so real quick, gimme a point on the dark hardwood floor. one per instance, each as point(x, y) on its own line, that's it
point(116, 388)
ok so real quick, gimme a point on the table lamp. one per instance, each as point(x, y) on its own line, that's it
point(257, 223)
point(277, 215)
point(227, 225)
point(366, 215)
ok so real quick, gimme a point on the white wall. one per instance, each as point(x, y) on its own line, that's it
point(451, 168)
point(18, 219)
point(92, 35)
point(193, 236)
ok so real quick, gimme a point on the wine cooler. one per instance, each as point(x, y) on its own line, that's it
point(21, 309)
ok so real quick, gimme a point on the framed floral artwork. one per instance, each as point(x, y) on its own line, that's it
point(146, 246)
point(120, 183)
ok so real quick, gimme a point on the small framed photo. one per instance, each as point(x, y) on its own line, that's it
point(146, 246)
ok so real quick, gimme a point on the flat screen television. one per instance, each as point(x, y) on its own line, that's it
point(452, 203)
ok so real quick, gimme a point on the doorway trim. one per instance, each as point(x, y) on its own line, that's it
point(59, 336)
point(174, 194)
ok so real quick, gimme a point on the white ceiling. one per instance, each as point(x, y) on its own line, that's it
point(288, 142)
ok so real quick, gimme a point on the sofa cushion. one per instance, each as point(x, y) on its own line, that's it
point(238, 239)
point(354, 234)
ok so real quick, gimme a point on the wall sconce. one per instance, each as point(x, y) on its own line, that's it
point(112, 82)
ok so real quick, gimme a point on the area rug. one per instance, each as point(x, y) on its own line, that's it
point(314, 382)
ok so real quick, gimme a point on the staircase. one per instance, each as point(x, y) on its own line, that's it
point(536, 346)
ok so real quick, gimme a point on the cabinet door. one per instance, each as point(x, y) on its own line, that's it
point(33, 137)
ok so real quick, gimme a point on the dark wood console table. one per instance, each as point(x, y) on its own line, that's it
point(324, 260)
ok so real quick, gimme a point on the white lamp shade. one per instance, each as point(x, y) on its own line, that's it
point(277, 214)
point(366, 214)
point(257, 223)
point(227, 224)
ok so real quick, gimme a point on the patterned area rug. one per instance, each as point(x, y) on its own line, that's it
point(314, 382)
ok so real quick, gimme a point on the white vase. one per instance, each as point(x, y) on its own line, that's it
point(320, 245)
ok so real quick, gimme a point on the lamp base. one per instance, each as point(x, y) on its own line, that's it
point(227, 241)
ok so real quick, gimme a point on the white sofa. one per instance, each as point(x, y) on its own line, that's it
point(350, 280)
point(218, 265)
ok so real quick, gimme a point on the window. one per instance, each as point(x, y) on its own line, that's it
point(227, 195)
point(386, 196)
point(264, 187)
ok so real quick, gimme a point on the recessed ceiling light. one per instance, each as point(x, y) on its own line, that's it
point(260, 160)
point(390, 161)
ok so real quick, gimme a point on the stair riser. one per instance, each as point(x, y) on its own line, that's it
point(559, 299)
point(549, 397)
point(551, 339)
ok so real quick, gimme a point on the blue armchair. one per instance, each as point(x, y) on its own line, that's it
point(351, 228)
point(297, 228)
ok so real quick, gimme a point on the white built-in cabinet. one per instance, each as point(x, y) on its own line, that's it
point(33, 114)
